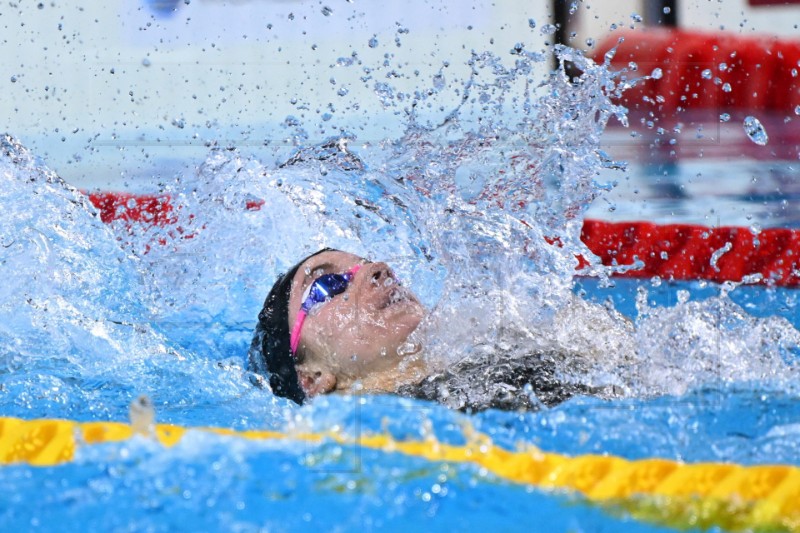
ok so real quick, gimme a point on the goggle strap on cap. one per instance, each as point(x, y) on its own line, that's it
point(298, 324)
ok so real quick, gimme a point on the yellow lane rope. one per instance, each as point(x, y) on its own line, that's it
point(729, 496)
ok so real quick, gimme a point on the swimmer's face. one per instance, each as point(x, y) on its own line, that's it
point(356, 333)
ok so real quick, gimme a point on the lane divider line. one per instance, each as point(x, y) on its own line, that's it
point(728, 496)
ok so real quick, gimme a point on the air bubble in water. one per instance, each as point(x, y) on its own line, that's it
point(531, 23)
point(373, 42)
point(657, 73)
point(724, 117)
point(636, 17)
point(707, 74)
point(726, 87)
point(797, 110)
point(326, 11)
point(667, 10)
point(755, 131)
point(590, 42)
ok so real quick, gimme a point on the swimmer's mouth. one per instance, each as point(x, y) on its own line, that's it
point(396, 296)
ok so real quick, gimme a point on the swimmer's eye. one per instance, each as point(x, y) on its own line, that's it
point(321, 290)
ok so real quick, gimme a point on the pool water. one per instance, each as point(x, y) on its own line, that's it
point(94, 315)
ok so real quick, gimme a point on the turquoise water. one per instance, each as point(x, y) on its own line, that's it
point(92, 316)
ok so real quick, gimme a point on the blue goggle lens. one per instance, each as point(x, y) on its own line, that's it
point(324, 288)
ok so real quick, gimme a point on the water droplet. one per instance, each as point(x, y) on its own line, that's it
point(13, 79)
point(342, 92)
point(636, 17)
point(797, 110)
point(724, 117)
point(683, 296)
point(373, 42)
point(657, 74)
point(755, 131)
point(590, 42)
point(438, 82)
point(531, 23)
point(573, 7)
point(726, 87)
point(707, 74)
point(723, 67)
point(655, 281)
point(326, 11)
point(326, 117)
point(142, 415)
point(548, 29)
point(146, 62)
point(408, 348)
point(667, 10)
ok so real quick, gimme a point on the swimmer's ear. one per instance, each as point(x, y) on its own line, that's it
point(315, 381)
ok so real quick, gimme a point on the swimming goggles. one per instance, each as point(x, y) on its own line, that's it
point(323, 289)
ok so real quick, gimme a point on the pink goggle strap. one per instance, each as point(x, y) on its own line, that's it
point(294, 341)
point(298, 325)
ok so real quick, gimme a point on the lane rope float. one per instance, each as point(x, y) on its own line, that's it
point(753, 79)
point(729, 496)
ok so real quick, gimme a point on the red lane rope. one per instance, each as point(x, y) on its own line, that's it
point(702, 70)
point(670, 251)
point(686, 251)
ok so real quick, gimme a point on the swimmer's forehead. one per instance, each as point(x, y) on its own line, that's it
point(332, 261)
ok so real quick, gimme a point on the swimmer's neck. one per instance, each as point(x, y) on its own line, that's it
point(408, 371)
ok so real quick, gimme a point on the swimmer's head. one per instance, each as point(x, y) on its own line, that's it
point(357, 332)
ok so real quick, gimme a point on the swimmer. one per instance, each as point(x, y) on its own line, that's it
point(336, 320)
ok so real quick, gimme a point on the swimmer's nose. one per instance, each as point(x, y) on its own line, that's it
point(380, 272)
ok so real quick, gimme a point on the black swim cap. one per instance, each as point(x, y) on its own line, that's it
point(270, 352)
